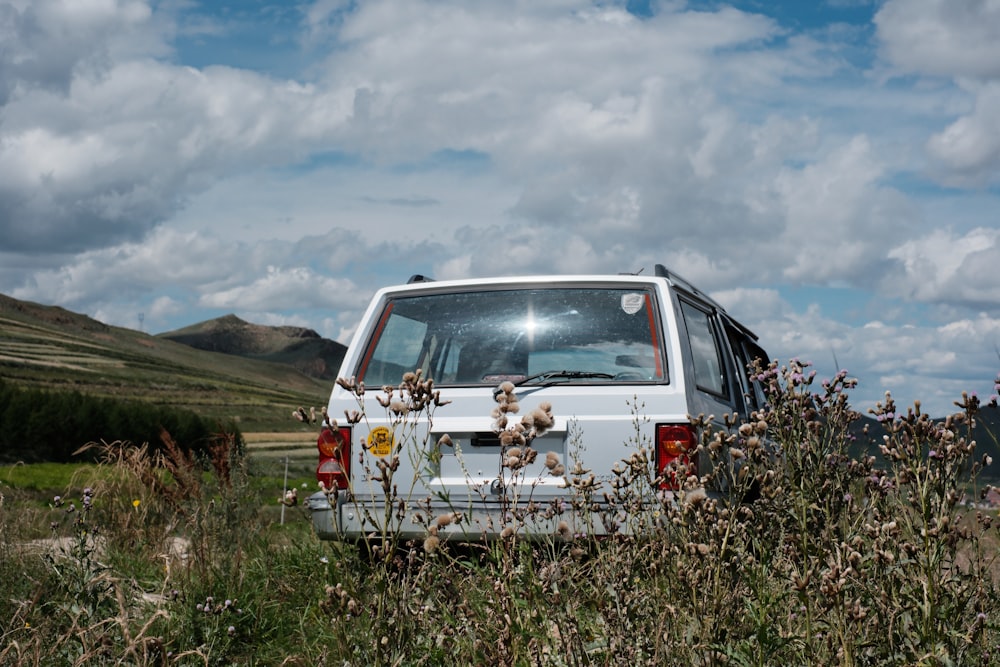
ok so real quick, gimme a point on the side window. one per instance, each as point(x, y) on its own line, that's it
point(709, 367)
point(755, 351)
point(746, 351)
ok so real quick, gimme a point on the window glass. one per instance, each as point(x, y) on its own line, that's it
point(709, 369)
point(483, 337)
point(754, 351)
point(746, 350)
point(400, 344)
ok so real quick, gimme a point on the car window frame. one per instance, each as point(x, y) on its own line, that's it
point(659, 339)
point(723, 354)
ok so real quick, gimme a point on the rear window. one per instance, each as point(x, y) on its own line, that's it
point(485, 337)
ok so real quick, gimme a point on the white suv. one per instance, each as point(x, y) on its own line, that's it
point(606, 366)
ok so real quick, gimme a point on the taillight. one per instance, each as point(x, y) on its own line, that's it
point(334, 468)
point(675, 444)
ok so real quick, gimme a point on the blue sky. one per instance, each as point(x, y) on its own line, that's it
point(827, 170)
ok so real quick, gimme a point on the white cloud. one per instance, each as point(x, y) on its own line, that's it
point(839, 217)
point(970, 147)
point(133, 268)
point(949, 268)
point(164, 307)
point(287, 289)
point(48, 43)
point(455, 139)
point(960, 40)
point(954, 38)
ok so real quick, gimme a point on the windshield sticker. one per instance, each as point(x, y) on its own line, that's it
point(380, 441)
point(632, 303)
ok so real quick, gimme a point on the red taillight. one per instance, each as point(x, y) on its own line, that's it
point(334, 469)
point(674, 445)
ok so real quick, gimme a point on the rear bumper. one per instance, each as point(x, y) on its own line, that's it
point(471, 521)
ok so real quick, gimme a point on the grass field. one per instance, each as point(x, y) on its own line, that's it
point(838, 561)
point(52, 349)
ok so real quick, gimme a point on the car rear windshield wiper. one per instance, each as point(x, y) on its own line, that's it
point(551, 376)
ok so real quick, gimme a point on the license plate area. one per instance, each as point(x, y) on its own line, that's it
point(486, 439)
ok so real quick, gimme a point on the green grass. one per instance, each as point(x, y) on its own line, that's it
point(53, 477)
point(839, 561)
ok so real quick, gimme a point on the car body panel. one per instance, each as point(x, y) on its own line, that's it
point(644, 375)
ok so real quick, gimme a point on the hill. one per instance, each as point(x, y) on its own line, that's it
point(52, 348)
point(225, 368)
point(298, 347)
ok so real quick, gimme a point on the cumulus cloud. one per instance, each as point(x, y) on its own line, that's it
point(285, 289)
point(47, 43)
point(457, 139)
point(968, 150)
point(132, 269)
point(839, 217)
point(101, 141)
point(955, 40)
point(614, 129)
point(948, 267)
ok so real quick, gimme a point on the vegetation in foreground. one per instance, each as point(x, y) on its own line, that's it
point(165, 559)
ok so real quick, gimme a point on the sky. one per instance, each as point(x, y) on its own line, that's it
point(828, 170)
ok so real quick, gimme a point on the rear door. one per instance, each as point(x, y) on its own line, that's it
point(587, 349)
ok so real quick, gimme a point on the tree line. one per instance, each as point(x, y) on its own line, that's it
point(39, 425)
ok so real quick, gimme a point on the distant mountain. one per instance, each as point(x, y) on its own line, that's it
point(298, 347)
point(228, 368)
point(49, 347)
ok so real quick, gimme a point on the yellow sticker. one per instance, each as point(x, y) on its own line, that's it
point(380, 441)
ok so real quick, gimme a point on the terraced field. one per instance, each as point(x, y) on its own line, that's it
point(270, 452)
point(50, 348)
point(271, 445)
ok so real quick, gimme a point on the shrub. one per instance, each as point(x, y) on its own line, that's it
point(817, 553)
point(59, 423)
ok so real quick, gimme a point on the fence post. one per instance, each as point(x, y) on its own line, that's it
point(284, 492)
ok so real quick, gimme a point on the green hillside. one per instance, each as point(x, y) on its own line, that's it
point(300, 348)
point(52, 348)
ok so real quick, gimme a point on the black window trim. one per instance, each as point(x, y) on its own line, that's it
point(724, 354)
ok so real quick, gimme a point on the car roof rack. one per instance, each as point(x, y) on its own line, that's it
point(419, 278)
point(678, 281)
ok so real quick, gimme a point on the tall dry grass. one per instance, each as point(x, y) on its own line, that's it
point(812, 555)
